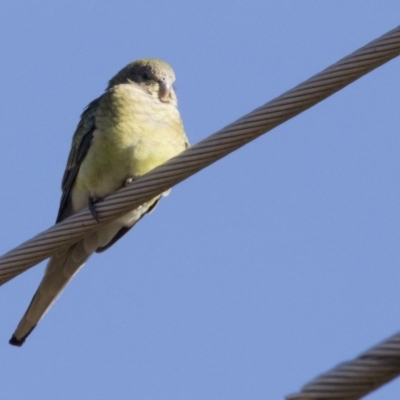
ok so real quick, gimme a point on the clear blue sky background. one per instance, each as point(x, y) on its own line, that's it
point(255, 275)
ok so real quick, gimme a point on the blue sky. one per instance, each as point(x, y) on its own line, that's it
point(255, 275)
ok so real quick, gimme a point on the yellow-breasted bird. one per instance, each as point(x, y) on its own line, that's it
point(129, 130)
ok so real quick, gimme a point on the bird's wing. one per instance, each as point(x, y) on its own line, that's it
point(80, 146)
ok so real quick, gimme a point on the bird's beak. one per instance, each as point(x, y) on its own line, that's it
point(165, 88)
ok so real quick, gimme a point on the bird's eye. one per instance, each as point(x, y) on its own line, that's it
point(145, 76)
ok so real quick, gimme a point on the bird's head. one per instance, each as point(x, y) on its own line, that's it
point(155, 76)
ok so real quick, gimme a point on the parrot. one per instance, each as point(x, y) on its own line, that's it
point(133, 127)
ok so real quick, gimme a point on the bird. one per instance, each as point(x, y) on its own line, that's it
point(133, 127)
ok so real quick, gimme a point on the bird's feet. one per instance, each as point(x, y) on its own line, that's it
point(92, 207)
point(93, 200)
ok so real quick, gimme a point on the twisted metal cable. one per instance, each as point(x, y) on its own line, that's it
point(204, 153)
point(353, 379)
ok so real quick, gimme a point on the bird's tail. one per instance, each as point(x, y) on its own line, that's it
point(60, 270)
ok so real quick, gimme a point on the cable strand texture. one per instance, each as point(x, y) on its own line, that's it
point(355, 378)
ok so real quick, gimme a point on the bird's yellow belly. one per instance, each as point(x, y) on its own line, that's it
point(111, 162)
